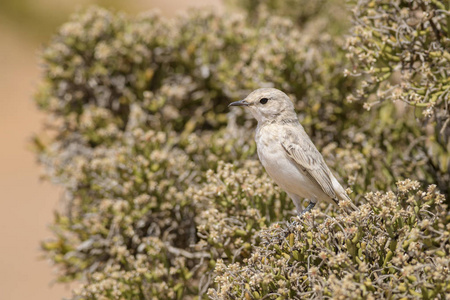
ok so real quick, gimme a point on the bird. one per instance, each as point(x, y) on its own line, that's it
point(287, 153)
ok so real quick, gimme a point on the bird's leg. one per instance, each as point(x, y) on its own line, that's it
point(298, 205)
point(308, 208)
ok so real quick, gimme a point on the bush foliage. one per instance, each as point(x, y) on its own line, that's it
point(164, 195)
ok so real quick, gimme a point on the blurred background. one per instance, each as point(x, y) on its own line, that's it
point(26, 203)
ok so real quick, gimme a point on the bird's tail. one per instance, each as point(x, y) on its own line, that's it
point(343, 200)
point(346, 203)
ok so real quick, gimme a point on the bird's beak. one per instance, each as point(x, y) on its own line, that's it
point(239, 103)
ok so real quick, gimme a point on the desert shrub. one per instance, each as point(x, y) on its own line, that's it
point(401, 51)
point(184, 71)
point(407, 38)
point(140, 118)
point(163, 190)
point(396, 246)
point(320, 17)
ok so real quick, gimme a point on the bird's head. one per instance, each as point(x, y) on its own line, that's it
point(268, 104)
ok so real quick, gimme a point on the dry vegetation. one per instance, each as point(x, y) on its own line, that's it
point(165, 198)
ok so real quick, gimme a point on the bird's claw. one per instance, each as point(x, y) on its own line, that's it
point(307, 209)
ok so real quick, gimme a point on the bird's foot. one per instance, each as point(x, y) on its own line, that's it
point(295, 222)
point(307, 209)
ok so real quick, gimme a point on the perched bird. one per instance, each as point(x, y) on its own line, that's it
point(287, 153)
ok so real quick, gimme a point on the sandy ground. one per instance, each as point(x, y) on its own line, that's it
point(27, 204)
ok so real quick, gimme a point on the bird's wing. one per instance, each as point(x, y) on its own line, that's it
point(311, 162)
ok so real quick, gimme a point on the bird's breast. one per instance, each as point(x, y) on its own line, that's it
point(277, 164)
point(269, 147)
point(280, 167)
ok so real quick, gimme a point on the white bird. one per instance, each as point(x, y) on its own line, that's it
point(287, 153)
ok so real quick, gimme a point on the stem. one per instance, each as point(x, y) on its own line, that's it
point(448, 17)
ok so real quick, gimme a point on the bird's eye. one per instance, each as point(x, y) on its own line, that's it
point(263, 100)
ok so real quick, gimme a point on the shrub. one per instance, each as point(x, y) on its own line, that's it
point(396, 246)
point(163, 190)
point(316, 17)
point(409, 39)
point(400, 49)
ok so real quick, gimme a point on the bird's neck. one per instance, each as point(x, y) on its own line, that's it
point(279, 123)
point(280, 119)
